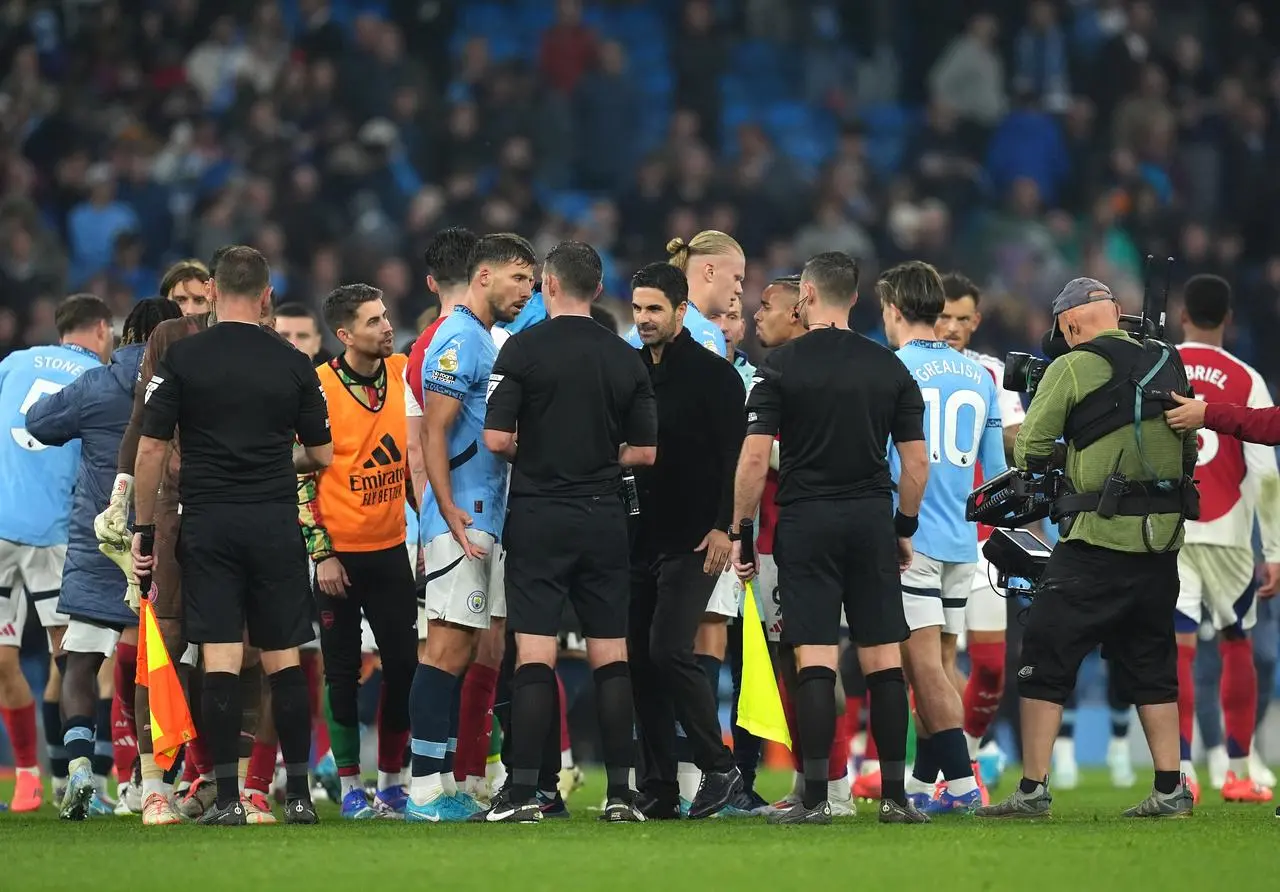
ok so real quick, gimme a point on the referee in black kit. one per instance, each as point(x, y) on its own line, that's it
point(681, 546)
point(579, 401)
point(835, 398)
point(240, 394)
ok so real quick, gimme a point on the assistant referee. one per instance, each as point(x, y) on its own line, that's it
point(580, 401)
point(835, 398)
point(242, 396)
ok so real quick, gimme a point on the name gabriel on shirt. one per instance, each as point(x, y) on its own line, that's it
point(1208, 374)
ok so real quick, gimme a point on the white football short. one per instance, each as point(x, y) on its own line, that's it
point(85, 637)
point(934, 593)
point(37, 571)
point(768, 603)
point(726, 597)
point(986, 610)
point(1215, 585)
point(368, 644)
point(463, 591)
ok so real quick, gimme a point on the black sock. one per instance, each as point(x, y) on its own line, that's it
point(502, 698)
point(1068, 727)
point(250, 708)
point(952, 753)
point(887, 720)
point(51, 718)
point(291, 708)
point(1167, 781)
point(533, 694)
point(816, 723)
point(221, 707)
point(549, 772)
point(103, 754)
point(1028, 786)
point(710, 667)
point(455, 710)
point(77, 737)
point(617, 726)
point(926, 765)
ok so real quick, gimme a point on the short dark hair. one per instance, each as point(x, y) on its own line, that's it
point(343, 303)
point(217, 257)
point(500, 248)
point(915, 288)
point(183, 271)
point(670, 280)
point(958, 285)
point(296, 310)
point(577, 266)
point(1207, 299)
point(792, 282)
point(604, 317)
point(448, 254)
point(145, 316)
point(81, 311)
point(241, 271)
point(835, 275)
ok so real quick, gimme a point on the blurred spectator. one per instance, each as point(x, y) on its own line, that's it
point(606, 120)
point(1028, 144)
point(127, 268)
point(216, 64)
point(969, 77)
point(831, 230)
point(320, 35)
point(1041, 53)
point(1116, 71)
point(92, 225)
point(701, 55)
point(568, 48)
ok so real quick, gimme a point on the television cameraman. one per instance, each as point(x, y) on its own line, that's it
point(1113, 578)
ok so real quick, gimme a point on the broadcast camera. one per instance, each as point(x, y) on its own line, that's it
point(1017, 498)
point(1023, 371)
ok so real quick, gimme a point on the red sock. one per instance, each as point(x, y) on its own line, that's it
point(1239, 696)
point(838, 758)
point(478, 687)
point(21, 725)
point(124, 730)
point(789, 711)
point(198, 761)
point(1187, 696)
point(870, 752)
point(565, 743)
point(311, 668)
point(982, 691)
point(262, 767)
point(853, 714)
point(392, 742)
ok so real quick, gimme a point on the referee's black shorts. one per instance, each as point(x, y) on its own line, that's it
point(1090, 596)
point(834, 554)
point(245, 566)
point(567, 549)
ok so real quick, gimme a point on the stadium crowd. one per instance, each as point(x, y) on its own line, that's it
point(339, 140)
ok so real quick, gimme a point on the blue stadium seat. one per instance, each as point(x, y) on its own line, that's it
point(483, 19)
point(781, 118)
point(886, 119)
point(753, 57)
point(653, 80)
point(534, 16)
point(807, 149)
point(569, 204)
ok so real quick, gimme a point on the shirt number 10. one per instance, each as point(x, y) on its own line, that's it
point(944, 421)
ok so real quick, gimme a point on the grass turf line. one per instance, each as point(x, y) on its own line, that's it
point(1086, 846)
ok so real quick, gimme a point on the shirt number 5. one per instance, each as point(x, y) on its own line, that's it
point(40, 387)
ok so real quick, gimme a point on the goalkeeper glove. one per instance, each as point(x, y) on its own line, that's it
point(123, 558)
point(112, 525)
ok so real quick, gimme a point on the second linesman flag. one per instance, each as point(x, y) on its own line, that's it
point(171, 724)
point(759, 703)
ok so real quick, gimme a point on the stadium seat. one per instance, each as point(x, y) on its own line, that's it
point(569, 205)
point(483, 19)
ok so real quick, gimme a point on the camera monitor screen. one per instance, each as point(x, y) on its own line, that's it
point(1028, 542)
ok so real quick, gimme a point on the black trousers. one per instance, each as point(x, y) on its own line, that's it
point(1090, 596)
point(669, 595)
point(382, 588)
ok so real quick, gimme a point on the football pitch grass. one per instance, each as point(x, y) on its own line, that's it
point(1085, 846)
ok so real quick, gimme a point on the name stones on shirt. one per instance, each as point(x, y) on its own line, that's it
point(58, 364)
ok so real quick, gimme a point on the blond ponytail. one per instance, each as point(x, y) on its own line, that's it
point(707, 242)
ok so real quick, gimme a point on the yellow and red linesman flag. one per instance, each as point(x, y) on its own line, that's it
point(759, 703)
point(171, 724)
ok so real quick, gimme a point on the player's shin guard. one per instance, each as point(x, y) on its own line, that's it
point(1239, 701)
point(816, 718)
point(838, 759)
point(982, 692)
point(393, 715)
point(887, 691)
point(1186, 698)
point(430, 701)
point(292, 712)
point(447, 780)
point(344, 730)
point(262, 767)
point(221, 707)
point(533, 696)
point(20, 724)
point(614, 706)
point(952, 753)
point(478, 688)
point(51, 718)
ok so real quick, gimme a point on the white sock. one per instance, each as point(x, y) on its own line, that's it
point(1239, 767)
point(913, 785)
point(688, 778)
point(350, 782)
point(838, 790)
point(449, 784)
point(406, 775)
point(975, 744)
point(631, 779)
point(1188, 768)
point(389, 779)
point(100, 785)
point(423, 789)
point(962, 785)
point(566, 760)
point(152, 785)
point(34, 771)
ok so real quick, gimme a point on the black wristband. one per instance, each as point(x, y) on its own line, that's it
point(904, 525)
point(147, 529)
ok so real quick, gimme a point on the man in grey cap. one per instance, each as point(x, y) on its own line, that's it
point(1113, 578)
